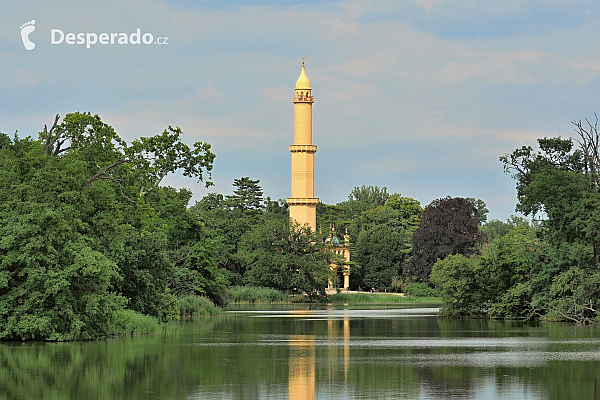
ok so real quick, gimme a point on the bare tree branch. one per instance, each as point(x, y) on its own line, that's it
point(589, 141)
point(103, 171)
point(48, 134)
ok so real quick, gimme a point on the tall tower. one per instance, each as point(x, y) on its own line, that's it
point(303, 203)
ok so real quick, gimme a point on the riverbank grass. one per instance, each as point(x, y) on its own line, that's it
point(379, 298)
point(255, 295)
point(197, 306)
point(129, 322)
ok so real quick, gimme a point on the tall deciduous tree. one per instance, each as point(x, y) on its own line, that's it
point(364, 198)
point(384, 243)
point(557, 183)
point(448, 226)
point(78, 242)
point(56, 281)
point(140, 165)
point(189, 247)
point(287, 258)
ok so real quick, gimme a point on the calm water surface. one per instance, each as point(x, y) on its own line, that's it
point(315, 352)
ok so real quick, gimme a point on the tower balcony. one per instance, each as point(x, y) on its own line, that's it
point(302, 201)
point(304, 99)
point(303, 148)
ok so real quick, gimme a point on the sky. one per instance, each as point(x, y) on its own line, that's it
point(419, 96)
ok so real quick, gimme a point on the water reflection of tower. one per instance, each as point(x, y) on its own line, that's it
point(301, 384)
point(346, 347)
point(334, 347)
point(302, 358)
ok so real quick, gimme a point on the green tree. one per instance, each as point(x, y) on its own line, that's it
point(190, 247)
point(552, 183)
point(364, 198)
point(331, 219)
point(496, 228)
point(457, 280)
point(482, 210)
point(287, 258)
point(79, 242)
point(384, 243)
point(225, 226)
point(138, 167)
point(577, 296)
point(505, 281)
point(247, 197)
point(54, 283)
point(512, 283)
point(559, 182)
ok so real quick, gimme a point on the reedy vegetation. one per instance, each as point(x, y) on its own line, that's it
point(251, 294)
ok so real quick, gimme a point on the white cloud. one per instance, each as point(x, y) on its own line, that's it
point(428, 4)
point(209, 92)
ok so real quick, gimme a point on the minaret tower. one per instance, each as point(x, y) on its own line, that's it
point(303, 203)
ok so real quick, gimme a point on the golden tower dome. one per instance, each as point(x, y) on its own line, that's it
point(303, 82)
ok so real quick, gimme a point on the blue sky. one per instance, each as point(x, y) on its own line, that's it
point(420, 96)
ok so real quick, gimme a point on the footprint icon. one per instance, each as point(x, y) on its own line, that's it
point(26, 29)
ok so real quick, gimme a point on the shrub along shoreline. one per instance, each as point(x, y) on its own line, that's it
point(262, 295)
point(128, 322)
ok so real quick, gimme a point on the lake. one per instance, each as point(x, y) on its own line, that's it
point(315, 352)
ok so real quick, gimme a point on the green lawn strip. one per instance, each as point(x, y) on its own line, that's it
point(380, 298)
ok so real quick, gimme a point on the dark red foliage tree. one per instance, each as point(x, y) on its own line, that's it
point(448, 226)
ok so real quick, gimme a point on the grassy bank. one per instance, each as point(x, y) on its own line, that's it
point(129, 322)
point(261, 295)
point(197, 306)
point(258, 295)
point(381, 298)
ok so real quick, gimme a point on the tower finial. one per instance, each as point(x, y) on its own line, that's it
point(303, 82)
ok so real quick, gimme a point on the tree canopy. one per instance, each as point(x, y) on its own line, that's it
point(448, 226)
point(247, 197)
point(549, 269)
point(79, 241)
point(87, 233)
point(383, 244)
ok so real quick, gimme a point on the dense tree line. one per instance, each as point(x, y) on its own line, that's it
point(257, 246)
point(87, 232)
point(549, 270)
point(79, 238)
